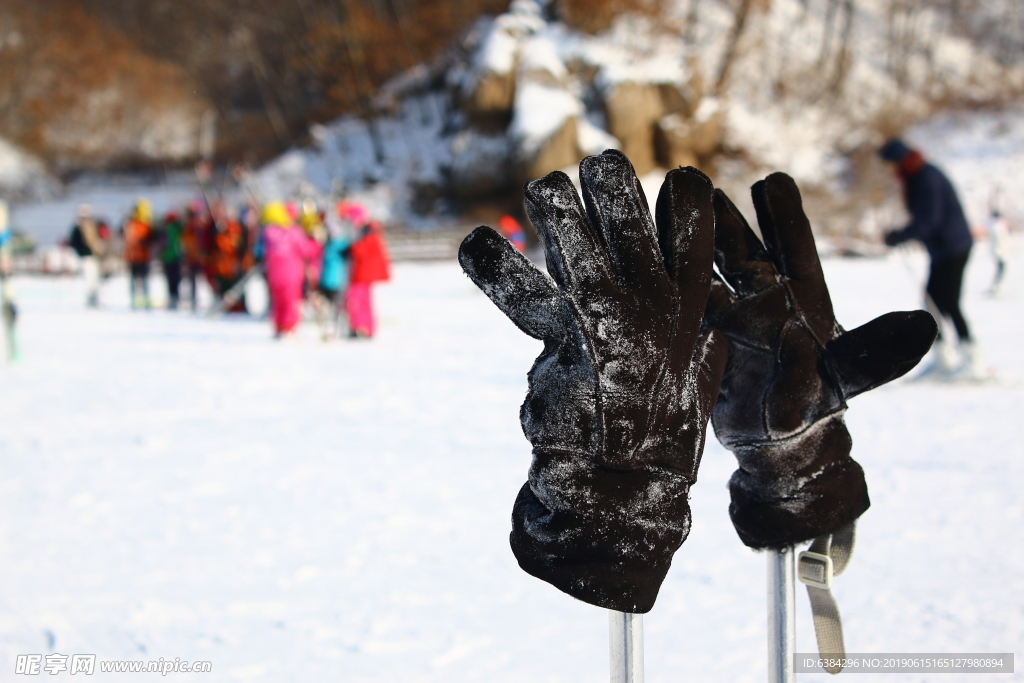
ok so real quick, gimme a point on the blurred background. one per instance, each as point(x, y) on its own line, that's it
point(445, 108)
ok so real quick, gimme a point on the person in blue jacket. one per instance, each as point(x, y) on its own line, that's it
point(334, 272)
point(937, 221)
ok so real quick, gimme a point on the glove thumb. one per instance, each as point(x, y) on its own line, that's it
point(882, 350)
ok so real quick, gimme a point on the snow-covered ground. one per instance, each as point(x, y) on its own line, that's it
point(299, 511)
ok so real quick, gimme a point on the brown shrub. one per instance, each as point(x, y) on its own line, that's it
point(594, 16)
point(76, 92)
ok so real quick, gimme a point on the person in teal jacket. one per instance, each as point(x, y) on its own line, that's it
point(334, 272)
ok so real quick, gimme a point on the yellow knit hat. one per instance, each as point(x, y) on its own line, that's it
point(275, 213)
point(143, 210)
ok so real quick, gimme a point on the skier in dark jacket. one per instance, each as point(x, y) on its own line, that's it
point(90, 246)
point(937, 221)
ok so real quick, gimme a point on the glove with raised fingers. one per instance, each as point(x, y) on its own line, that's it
point(791, 370)
point(619, 399)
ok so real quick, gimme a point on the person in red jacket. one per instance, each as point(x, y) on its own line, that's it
point(227, 250)
point(369, 264)
point(195, 241)
point(512, 231)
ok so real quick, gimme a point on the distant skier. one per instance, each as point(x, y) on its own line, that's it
point(998, 229)
point(334, 273)
point(86, 241)
point(937, 221)
point(195, 240)
point(287, 253)
point(170, 254)
point(312, 221)
point(249, 217)
point(226, 255)
point(370, 264)
point(512, 231)
point(8, 308)
point(138, 236)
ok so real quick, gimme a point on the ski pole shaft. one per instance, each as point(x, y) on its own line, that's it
point(626, 640)
point(781, 615)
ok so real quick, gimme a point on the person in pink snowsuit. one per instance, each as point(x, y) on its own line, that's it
point(287, 254)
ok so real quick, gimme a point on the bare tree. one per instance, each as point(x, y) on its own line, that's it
point(729, 56)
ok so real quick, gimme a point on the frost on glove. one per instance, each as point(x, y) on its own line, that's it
point(619, 399)
point(791, 369)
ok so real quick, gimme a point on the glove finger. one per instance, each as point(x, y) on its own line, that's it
point(575, 257)
point(881, 350)
point(719, 298)
point(618, 209)
point(739, 254)
point(788, 238)
point(686, 234)
point(522, 292)
point(710, 357)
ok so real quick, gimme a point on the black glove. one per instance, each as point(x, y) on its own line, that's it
point(791, 369)
point(620, 397)
point(893, 237)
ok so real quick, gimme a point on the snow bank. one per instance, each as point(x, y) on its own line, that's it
point(22, 174)
point(541, 111)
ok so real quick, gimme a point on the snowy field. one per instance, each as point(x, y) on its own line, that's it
point(299, 511)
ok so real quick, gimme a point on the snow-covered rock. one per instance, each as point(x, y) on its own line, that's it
point(803, 89)
point(480, 164)
point(22, 174)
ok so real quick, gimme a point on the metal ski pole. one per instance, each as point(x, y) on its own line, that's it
point(781, 615)
point(626, 641)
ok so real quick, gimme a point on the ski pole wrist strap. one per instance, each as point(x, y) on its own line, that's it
point(826, 558)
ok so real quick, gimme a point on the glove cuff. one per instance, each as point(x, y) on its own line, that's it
point(608, 561)
point(791, 491)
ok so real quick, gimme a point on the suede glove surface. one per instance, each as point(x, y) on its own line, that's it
point(791, 369)
point(619, 399)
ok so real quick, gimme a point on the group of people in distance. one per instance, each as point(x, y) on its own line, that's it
point(331, 258)
point(328, 258)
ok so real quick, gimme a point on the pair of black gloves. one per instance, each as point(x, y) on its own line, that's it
point(643, 343)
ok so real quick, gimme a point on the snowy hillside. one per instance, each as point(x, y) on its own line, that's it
point(295, 511)
point(798, 86)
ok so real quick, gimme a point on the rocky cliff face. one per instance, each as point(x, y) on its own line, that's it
point(557, 95)
point(739, 89)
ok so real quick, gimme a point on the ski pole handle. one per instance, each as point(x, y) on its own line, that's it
point(626, 640)
point(781, 615)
